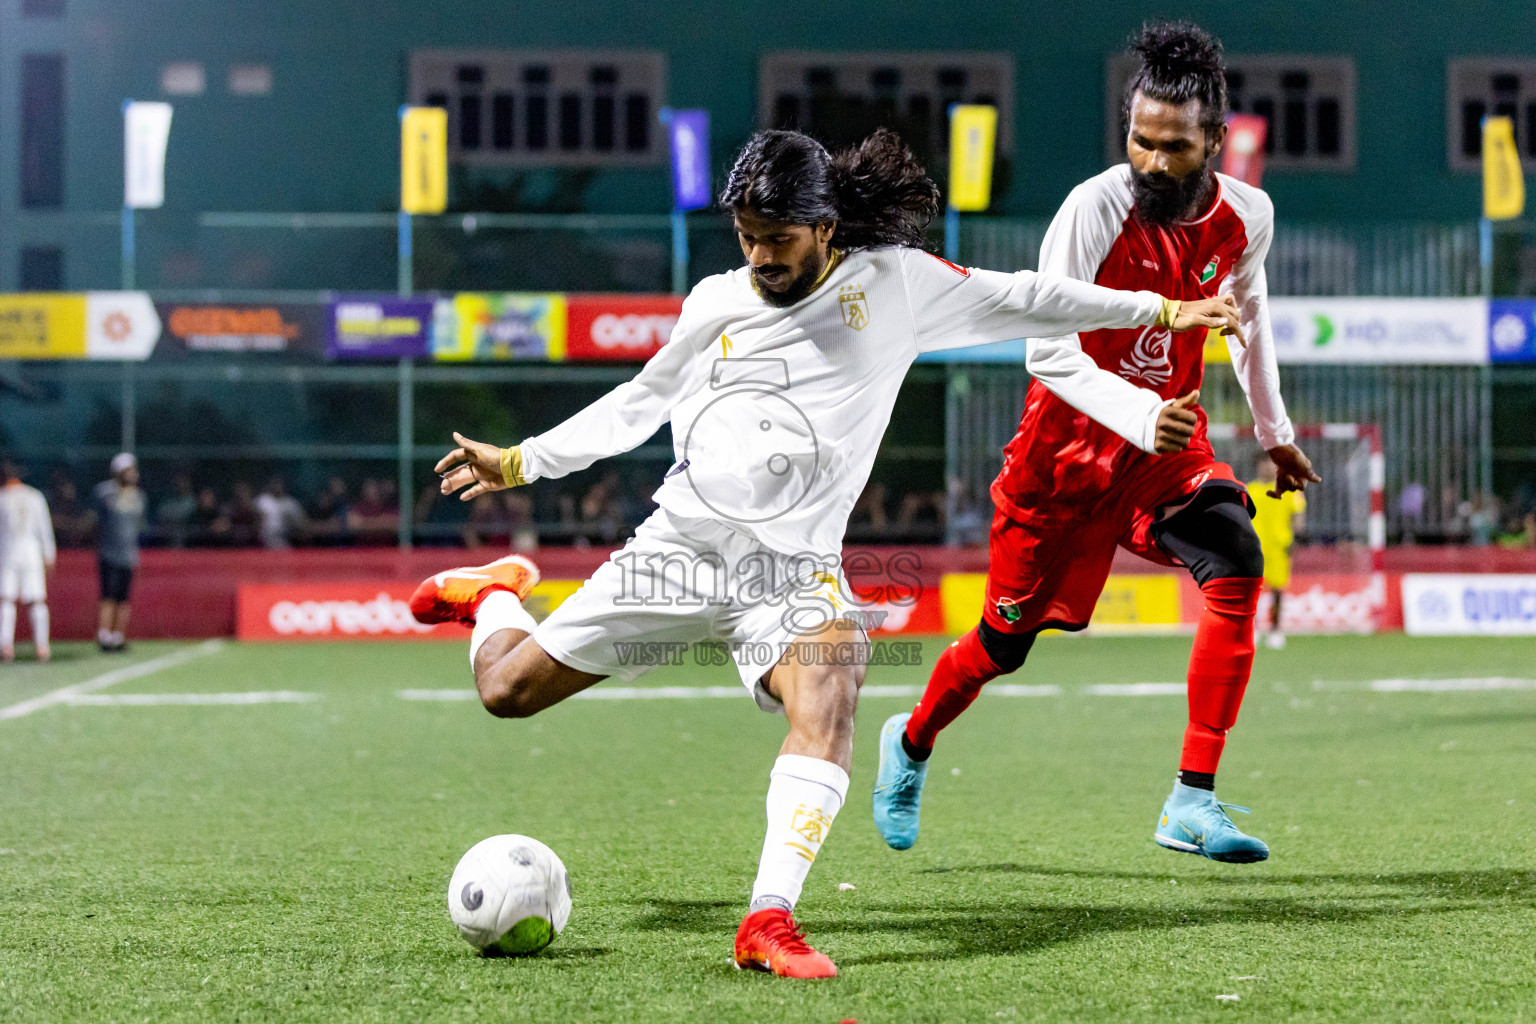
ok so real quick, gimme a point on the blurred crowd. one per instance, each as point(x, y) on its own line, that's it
point(1481, 521)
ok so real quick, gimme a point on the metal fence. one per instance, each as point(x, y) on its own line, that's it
point(1435, 423)
point(242, 252)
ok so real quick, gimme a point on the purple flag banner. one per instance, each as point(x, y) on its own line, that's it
point(689, 130)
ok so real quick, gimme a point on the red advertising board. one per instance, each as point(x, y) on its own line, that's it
point(619, 327)
point(332, 611)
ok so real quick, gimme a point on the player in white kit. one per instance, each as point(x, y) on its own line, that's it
point(778, 382)
point(27, 553)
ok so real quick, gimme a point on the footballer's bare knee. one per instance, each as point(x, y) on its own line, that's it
point(526, 680)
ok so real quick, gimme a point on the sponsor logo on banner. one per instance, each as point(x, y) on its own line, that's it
point(619, 327)
point(120, 325)
point(504, 326)
point(1512, 330)
point(356, 611)
point(1328, 604)
point(38, 326)
point(291, 328)
point(386, 328)
point(1444, 604)
point(1444, 331)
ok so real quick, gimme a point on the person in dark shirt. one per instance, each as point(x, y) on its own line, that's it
point(120, 510)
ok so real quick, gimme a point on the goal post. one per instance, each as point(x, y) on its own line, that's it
point(1339, 583)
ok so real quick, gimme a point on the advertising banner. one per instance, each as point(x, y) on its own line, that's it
point(386, 328)
point(1130, 602)
point(1512, 330)
point(1243, 156)
point(287, 328)
point(1444, 604)
point(42, 326)
point(356, 611)
point(619, 327)
point(120, 325)
point(1326, 330)
point(503, 326)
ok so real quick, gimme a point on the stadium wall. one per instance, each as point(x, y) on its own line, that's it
point(193, 594)
point(324, 138)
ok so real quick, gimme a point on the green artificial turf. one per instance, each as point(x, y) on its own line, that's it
point(290, 861)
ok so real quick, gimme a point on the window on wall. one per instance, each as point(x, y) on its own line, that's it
point(1307, 101)
point(545, 108)
point(841, 97)
point(1479, 87)
point(42, 268)
point(42, 130)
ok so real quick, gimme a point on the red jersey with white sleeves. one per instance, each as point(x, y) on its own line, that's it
point(1061, 461)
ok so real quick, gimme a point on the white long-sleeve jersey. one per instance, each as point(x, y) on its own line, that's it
point(777, 413)
point(26, 529)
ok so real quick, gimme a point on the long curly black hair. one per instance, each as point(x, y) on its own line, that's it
point(876, 191)
point(1180, 61)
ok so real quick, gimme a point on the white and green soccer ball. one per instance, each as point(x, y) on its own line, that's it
point(509, 895)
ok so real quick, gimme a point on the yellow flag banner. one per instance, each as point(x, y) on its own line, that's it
point(423, 159)
point(1503, 180)
point(972, 137)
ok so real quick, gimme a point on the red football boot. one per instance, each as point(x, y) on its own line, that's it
point(455, 595)
point(769, 940)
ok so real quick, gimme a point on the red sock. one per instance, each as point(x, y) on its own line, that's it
point(962, 670)
point(1219, 666)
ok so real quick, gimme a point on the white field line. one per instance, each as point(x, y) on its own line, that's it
point(1450, 685)
point(65, 694)
point(1135, 690)
point(99, 700)
point(705, 692)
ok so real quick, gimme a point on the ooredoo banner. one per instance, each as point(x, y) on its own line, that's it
point(1445, 604)
point(619, 327)
point(332, 611)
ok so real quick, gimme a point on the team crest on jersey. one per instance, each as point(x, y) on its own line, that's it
point(1008, 608)
point(1210, 269)
point(855, 307)
point(1149, 358)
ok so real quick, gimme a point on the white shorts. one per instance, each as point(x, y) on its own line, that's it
point(23, 582)
point(682, 583)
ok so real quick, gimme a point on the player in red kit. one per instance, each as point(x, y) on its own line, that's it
point(1144, 476)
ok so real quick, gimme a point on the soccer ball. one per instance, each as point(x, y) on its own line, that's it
point(510, 895)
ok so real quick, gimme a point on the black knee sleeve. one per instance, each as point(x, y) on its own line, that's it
point(1007, 650)
point(1214, 538)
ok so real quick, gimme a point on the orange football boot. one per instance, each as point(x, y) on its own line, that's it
point(455, 595)
point(769, 940)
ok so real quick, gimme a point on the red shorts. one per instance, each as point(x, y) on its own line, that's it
point(1048, 569)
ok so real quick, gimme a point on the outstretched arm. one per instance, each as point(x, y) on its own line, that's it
point(617, 422)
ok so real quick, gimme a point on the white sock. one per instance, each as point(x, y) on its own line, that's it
point(7, 623)
point(40, 625)
point(500, 610)
point(116, 639)
point(804, 795)
point(104, 636)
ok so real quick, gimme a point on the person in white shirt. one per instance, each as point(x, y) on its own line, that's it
point(778, 382)
point(281, 515)
point(27, 554)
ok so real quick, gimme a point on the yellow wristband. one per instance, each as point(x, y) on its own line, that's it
point(512, 467)
point(1169, 313)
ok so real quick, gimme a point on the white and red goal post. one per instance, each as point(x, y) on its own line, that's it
point(1339, 581)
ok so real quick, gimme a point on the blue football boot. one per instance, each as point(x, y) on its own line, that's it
point(1194, 821)
point(898, 787)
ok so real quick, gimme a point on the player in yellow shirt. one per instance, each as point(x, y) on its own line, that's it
point(1275, 520)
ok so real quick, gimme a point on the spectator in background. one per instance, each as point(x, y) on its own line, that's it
point(487, 521)
point(921, 515)
point(1482, 520)
point(282, 517)
point(525, 533)
point(370, 518)
point(74, 522)
point(328, 514)
point(602, 509)
point(1410, 506)
point(176, 512)
point(120, 507)
point(207, 526)
point(241, 515)
point(869, 516)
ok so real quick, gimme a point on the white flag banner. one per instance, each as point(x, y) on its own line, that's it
point(146, 129)
point(120, 325)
